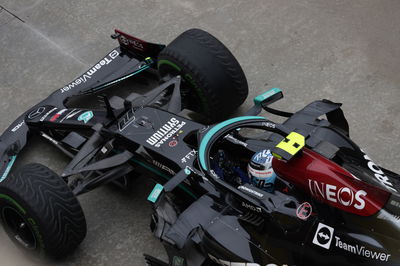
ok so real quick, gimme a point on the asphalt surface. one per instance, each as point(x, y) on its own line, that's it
point(345, 51)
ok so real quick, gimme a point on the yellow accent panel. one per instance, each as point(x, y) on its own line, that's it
point(293, 143)
point(277, 156)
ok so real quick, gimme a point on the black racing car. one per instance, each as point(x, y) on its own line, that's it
point(330, 203)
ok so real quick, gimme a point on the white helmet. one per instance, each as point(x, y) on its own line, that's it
point(260, 170)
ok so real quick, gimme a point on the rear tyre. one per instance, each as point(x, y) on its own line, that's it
point(213, 81)
point(40, 213)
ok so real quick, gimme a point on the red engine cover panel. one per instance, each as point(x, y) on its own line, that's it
point(328, 182)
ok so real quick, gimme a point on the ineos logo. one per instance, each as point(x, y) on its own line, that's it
point(343, 195)
point(343, 191)
point(36, 113)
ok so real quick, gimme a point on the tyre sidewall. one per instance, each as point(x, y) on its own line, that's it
point(8, 199)
point(214, 83)
point(195, 97)
point(48, 206)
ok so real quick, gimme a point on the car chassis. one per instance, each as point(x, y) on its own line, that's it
point(200, 218)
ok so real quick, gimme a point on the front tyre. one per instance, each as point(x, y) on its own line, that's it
point(214, 84)
point(40, 213)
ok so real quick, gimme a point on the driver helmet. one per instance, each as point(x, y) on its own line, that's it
point(260, 170)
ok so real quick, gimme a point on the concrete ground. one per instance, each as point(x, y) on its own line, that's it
point(345, 51)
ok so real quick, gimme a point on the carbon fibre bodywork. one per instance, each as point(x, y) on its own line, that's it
point(350, 216)
point(332, 204)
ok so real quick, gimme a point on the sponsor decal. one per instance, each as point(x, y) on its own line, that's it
point(18, 126)
point(395, 203)
point(126, 120)
point(36, 113)
point(188, 156)
point(88, 75)
point(188, 170)
point(214, 174)
point(251, 207)
point(165, 132)
point(47, 114)
point(155, 193)
point(304, 211)
point(235, 140)
point(340, 195)
point(49, 138)
point(204, 129)
point(57, 115)
point(323, 236)
point(383, 215)
point(379, 174)
point(173, 143)
point(163, 167)
point(269, 124)
point(104, 150)
point(70, 115)
point(123, 40)
point(135, 43)
point(251, 191)
point(86, 116)
point(361, 250)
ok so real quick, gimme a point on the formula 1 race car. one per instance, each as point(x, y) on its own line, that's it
point(329, 204)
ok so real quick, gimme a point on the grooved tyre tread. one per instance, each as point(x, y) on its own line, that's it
point(50, 207)
point(214, 82)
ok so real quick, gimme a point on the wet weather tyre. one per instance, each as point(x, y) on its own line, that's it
point(213, 83)
point(40, 213)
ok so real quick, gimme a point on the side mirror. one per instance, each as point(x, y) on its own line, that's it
point(263, 100)
point(269, 97)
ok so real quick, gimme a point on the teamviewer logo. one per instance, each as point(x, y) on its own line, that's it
point(323, 236)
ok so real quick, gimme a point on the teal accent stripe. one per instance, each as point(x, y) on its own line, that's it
point(8, 169)
point(123, 78)
point(215, 129)
point(156, 171)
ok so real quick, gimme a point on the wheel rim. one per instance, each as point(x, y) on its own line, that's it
point(18, 228)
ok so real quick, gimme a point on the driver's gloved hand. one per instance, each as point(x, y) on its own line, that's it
point(220, 158)
point(243, 176)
